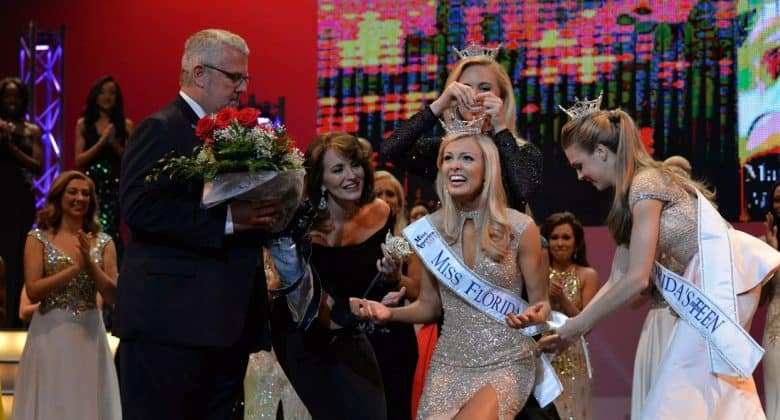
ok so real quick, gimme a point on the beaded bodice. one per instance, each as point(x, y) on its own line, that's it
point(470, 338)
point(79, 294)
point(677, 239)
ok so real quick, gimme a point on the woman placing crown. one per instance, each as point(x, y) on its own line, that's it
point(480, 255)
point(711, 275)
point(478, 87)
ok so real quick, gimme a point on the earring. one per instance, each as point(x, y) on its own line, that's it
point(323, 200)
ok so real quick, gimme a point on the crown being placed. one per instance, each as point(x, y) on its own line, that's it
point(584, 107)
point(458, 126)
point(474, 50)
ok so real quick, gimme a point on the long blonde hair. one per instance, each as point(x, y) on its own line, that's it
point(400, 218)
point(504, 87)
point(493, 229)
point(617, 131)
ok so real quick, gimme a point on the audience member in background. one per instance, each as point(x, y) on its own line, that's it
point(573, 283)
point(771, 340)
point(398, 363)
point(481, 367)
point(417, 211)
point(66, 370)
point(657, 217)
point(658, 324)
point(101, 133)
point(388, 189)
point(333, 365)
point(21, 157)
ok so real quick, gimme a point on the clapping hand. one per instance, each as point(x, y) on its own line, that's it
point(770, 230)
point(108, 134)
point(556, 289)
point(84, 258)
point(6, 129)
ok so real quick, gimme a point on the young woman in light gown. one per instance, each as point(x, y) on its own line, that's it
point(658, 324)
point(66, 370)
point(481, 368)
point(573, 283)
point(655, 217)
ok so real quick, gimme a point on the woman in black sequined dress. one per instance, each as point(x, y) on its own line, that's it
point(20, 159)
point(477, 86)
point(334, 365)
point(101, 133)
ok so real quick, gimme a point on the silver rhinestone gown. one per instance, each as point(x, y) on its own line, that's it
point(475, 350)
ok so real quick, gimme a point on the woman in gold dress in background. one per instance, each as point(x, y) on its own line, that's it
point(573, 283)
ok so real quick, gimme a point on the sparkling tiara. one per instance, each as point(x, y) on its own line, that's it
point(475, 50)
point(458, 126)
point(584, 107)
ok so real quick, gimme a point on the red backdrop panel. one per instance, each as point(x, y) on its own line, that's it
point(140, 43)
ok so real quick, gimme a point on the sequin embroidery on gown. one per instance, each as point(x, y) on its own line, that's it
point(475, 350)
point(67, 346)
point(571, 367)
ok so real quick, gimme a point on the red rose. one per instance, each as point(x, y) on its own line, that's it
point(247, 117)
point(225, 116)
point(205, 128)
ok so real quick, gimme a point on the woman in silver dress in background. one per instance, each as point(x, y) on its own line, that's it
point(66, 370)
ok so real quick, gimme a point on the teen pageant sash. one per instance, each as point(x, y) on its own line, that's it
point(484, 296)
point(729, 262)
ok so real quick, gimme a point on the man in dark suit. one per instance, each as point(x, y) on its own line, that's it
point(191, 303)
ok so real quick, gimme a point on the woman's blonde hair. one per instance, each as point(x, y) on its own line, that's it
point(617, 131)
point(400, 218)
point(504, 86)
point(50, 216)
point(493, 229)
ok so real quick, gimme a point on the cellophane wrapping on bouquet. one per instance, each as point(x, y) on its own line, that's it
point(285, 187)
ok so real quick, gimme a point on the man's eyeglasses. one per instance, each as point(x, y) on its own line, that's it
point(236, 78)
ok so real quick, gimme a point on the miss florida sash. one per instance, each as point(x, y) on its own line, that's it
point(484, 296)
point(729, 262)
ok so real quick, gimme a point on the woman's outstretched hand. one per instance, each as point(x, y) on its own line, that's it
point(394, 298)
point(558, 342)
point(534, 314)
point(370, 310)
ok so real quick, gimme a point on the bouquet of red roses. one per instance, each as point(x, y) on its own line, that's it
point(241, 158)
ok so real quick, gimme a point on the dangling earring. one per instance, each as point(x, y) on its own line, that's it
point(323, 200)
